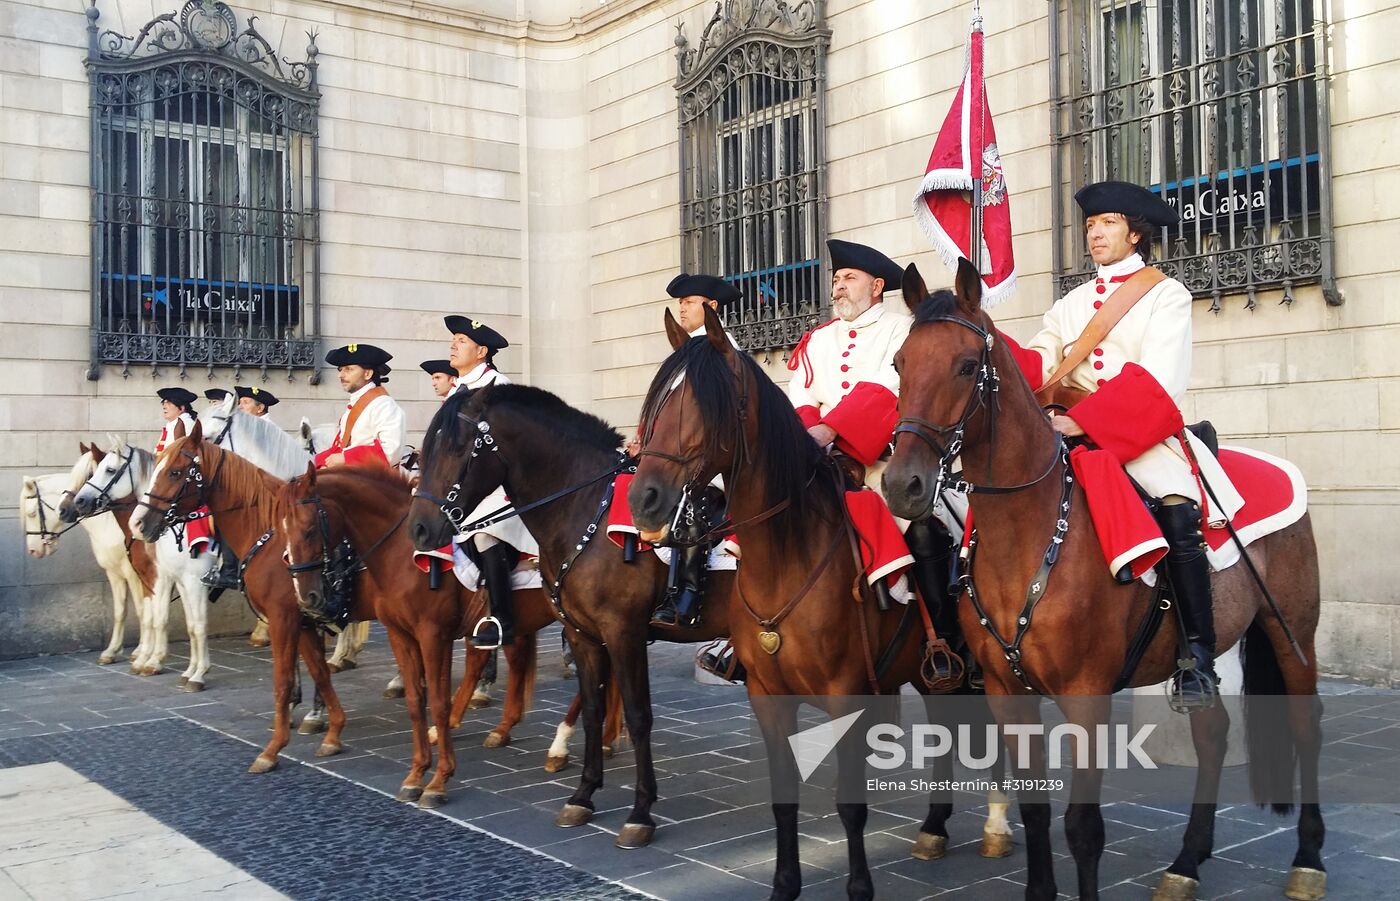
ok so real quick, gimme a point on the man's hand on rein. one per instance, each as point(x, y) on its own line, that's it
point(1066, 426)
point(822, 433)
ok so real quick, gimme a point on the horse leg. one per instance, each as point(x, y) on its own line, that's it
point(558, 756)
point(437, 670)
point(481, 693)
point(283, 629)
point(592, 662)
point(411, 665)
point(1084, 830)
point(520, 685)
point(1022, 709)
point(777, 719)
point(851, 764)
point(932, 843)
point(117, 582)
point(348, 645)
point(629, 671)
point(143, 603)
point(313, 652)
point(472, 665)
point(160, 626)
point(195, 597)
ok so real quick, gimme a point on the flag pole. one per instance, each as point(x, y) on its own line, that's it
point(978, 117)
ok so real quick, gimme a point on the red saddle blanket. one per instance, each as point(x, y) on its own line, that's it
point(882, 547)
point(1273, 489)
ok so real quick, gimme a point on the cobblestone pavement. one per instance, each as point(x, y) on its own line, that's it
point(328, 828)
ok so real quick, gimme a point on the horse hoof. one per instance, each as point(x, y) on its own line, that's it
point(192, 686)
point(996, 844)
point(930, 847)
point(151, 670)
point(573, 815)
point(135, 669)
point(432, 800)
point(182, 680)
point(329, 749)
point(495, 740)
point(311, 726)
point(106, 660)
point(343, 666)
point(393, 692)
point(1175, 887)
point(259, 642)
point(1306, 884)
point(635, 835)
point(607, 751)
point(409, 793)
point(479, 702)
point(263, 765)
point(554, 764)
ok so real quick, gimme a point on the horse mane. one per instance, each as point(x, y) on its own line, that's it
point(938, 304)
point(240, 478)
point(286, 456)
point(568, 423)
point(783, 451)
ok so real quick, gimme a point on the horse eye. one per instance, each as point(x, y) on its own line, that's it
point(175, 473)
point(967, 368)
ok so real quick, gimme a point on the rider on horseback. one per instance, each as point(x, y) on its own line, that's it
point(496, 549)
point(255, 401)
point(372, 427)
point(846, 391)
point(1131, 384)
point(681, 606)
point(177, 406)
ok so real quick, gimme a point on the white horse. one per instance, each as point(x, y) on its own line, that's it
point(40, 498)
point(124, 472)
point(262, 443)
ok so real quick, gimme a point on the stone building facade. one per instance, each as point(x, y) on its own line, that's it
point(519, 161)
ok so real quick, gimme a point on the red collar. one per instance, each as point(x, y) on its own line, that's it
point(1117, 279)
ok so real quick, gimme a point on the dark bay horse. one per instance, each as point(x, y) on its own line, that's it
point(543, 450)
point(799, 623)
point(949, 367)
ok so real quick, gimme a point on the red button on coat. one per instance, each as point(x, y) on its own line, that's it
point(845, 368)
point(1101, 289)
point(1097, 304)
point(850, 347)
point(845, 384)
point(1100, 383)
point(853, 333)
point(846, 353)
point(1098, 364)
point(1098, 351)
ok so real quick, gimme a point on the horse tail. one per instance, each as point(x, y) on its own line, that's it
point(528, 649)
point(1273, 753)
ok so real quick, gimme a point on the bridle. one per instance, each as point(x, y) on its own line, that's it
point(947, 440)
point(46, 535)
point(194, 477)
point(104, 500)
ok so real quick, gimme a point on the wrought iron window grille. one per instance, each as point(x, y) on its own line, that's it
point(1218, 106)
point(205, 197)
point(752, 122)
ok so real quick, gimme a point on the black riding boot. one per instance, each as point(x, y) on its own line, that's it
point(496, 563)
point(1194, 684)
point(224, 573)
point(932, 548)
point(682, 605)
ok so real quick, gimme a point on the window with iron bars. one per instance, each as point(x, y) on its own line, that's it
point(204, 186)
point(752, 160)
point(1218, 106)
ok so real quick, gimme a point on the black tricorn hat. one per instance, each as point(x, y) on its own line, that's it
point(366, 355)
point(476, 330)
point(261, 395)
point(216, 394)
point(849, 255)
point(437, 366)
point(180, 397)
point(1124, 197)
point(711, 286)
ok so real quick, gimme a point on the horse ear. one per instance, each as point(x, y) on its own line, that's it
point(179, 429)
point(84, 448)
point(229, 404)
point(714, 331)
point(674, 332)
point(914, 288)
point(97, 454)
point(311, 475)
point(305, 429)
point(197, 433)
point(969, 288)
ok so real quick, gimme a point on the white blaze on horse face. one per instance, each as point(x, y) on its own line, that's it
point(138, 516)
point(291, 560)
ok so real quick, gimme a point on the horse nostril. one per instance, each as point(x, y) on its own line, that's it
point(915, 488)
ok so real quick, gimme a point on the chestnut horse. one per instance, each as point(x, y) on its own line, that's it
point(558, 465)
point(800, 627)
point(949, 368)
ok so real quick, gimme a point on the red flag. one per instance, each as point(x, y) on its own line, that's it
point(943, 206)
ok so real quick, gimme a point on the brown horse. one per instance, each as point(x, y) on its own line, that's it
point(800, 624)
point(948, 369)
point(558, 464)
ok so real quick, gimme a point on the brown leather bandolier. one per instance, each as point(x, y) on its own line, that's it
point(1053, 392)
point(365, 400)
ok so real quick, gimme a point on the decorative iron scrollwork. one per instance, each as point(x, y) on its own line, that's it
point(735, 17)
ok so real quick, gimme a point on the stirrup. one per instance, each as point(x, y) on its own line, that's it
point(476, 630)
point(1204, 696)
point(937, 656)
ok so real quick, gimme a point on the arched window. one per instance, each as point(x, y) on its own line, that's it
point(752, 160)
point(204, 196)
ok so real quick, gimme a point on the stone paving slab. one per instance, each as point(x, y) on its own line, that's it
point(306, 828)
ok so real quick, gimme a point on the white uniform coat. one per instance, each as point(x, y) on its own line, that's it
point(383, 421)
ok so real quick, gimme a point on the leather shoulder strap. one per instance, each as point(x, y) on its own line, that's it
point(1107, 316)
point(368, 398)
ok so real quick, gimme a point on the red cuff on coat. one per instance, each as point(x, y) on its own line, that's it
point(1030, 361)
point(365, 453)
point(864, 420)
point(1128, 414)
point(809, 415)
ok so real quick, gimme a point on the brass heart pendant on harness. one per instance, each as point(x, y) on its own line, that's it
point(770, 641)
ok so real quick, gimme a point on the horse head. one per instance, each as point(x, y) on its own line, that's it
point(177, 485)
point(89, 455)
point(99, 480)
point(307, 529)
point(458, 467)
